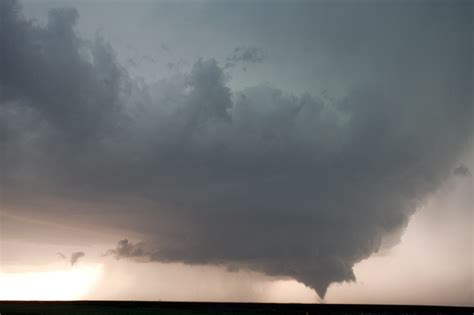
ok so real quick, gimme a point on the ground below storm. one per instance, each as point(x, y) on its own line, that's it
point(207, 308)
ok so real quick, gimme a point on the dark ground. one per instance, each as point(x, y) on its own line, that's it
point(174, 308)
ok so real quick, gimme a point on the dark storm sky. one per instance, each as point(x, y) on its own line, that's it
point(290, 138)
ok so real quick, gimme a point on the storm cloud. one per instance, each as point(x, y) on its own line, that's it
point(462, 171)
point(245, 56)
point(261, 179)
point(75, 257)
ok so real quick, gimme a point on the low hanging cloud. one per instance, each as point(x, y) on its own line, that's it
point(74, 257)
point(127, 249)
point(259, 179)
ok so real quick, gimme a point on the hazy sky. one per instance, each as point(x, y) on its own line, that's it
point(291, 151)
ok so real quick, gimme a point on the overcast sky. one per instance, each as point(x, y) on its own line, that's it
point(296, 151)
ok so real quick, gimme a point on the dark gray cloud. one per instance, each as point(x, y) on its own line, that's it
point(462, 171)
point(260, 179)
point(75, 257)
point(126, 249)
point(52, 72)
point(244, 56)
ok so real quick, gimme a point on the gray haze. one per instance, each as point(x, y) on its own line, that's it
point(260, 178)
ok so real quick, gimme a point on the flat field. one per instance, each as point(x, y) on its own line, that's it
point(200, 308)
